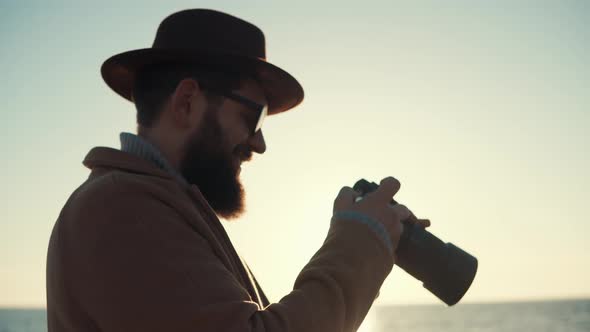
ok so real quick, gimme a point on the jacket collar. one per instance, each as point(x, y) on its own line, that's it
point(136, 155)
point(113, 158)
point(110, 158)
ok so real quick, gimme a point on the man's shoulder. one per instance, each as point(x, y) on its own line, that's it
point(114, 200)
point(117, 188)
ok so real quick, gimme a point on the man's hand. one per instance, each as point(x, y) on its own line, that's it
point(376, 205)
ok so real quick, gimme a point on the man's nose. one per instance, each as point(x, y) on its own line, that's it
point(257, 142)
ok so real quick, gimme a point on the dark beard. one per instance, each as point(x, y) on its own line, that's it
point(208, 164)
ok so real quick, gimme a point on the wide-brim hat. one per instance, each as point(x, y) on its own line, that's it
point(212, 39)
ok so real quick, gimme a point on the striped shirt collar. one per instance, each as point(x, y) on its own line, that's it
point(140, 147)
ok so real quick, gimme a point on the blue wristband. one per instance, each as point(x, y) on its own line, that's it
point(374, 225)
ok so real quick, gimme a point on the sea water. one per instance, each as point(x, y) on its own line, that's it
point(549, 316)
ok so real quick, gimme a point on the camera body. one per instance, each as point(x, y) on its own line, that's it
point(445, 270)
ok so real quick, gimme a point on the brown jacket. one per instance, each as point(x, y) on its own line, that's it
point(135, 250)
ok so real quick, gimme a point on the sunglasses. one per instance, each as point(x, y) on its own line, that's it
point(261, 110)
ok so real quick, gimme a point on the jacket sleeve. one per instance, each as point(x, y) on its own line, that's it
point(144, 269)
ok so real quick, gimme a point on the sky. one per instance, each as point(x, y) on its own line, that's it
point(480, 109)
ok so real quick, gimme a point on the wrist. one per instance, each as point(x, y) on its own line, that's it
point(375, 226)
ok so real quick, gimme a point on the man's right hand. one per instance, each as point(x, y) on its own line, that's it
point(376, 205)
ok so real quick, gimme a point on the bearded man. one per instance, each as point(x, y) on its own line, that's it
point(139, 245)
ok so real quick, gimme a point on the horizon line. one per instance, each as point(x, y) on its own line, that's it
point(520, 300)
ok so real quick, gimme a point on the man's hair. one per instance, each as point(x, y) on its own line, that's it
point(154, 84)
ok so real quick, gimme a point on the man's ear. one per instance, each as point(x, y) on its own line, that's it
point(184, 101)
